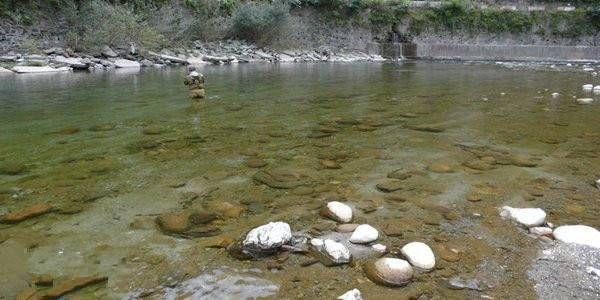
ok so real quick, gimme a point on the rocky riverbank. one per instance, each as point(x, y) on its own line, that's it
point(216, 53)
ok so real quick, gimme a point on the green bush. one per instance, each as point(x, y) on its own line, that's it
point(97, 23)
point(259, 22)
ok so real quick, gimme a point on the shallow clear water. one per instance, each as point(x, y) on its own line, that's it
point(111, 151)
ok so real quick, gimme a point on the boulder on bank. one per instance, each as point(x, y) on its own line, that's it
point(527, 217)
point(108, 52)
point(125, 63)
point(419, 255)
point(72, 62)
point(267, 238)
point(43, 69)
point(578, 234)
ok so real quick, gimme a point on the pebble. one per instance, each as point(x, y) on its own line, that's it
point(379, 248)
point(528, 217)
point(389, 271)
point(317, 243)
point(364, 234)
point(458, 283)
point(268, 237)
point(337, 252)
point(419, 255)
point(353, 294)
point(337, 211)
point(555, 95)
point(346, 227)
point(578, 234)
point(542, 231)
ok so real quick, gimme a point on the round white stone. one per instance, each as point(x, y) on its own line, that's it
point(393, 271)
point(587, 87)
point(419, 255)
point(340, 210)
point(364, 234)
point(336, 251)
point(269, 236)
point(528, 217)
point(555, 95)
point(351, 295)
point(578, 234)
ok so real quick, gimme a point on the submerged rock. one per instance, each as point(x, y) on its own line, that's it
point(390, 186)
point(12, 168)
point(399, 174)
point(419, 255)
point(337, 211)
point(528, 217)
point(346, 227)
point(457, 283)
point(578, 234)
point(187, 224)
point(279, 179)
point(267, 238)
point(364, 234)
point(353, 294)
point(27, 213)
point(255, 163)
point(336, 252)
point(71, 285)
point(389, 271)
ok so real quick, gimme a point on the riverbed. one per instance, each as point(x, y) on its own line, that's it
point(111, 151)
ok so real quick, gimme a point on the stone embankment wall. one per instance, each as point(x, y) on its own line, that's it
point(491, 52)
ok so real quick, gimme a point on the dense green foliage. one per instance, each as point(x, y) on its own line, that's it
point(157, 23)
point(259, 22)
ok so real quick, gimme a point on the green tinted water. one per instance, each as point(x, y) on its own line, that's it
point(111, 151)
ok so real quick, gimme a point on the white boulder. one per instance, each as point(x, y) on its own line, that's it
point(555, 95)
point(337, 252)
point(269, 236)
point(585, 100)
point(75, 63)
point(351, 295)
point(364, 234)
point(587, 87)
point(126, 63)
point(44, 69)
point(528, 217)
point(578, 234)
point(596, 90)
point(337, 211)
point(419, 255)
point(389, 271)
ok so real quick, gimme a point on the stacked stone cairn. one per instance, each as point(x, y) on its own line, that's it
point(195, 83)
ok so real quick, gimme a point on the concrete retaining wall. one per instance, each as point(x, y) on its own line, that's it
point(492, 52)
